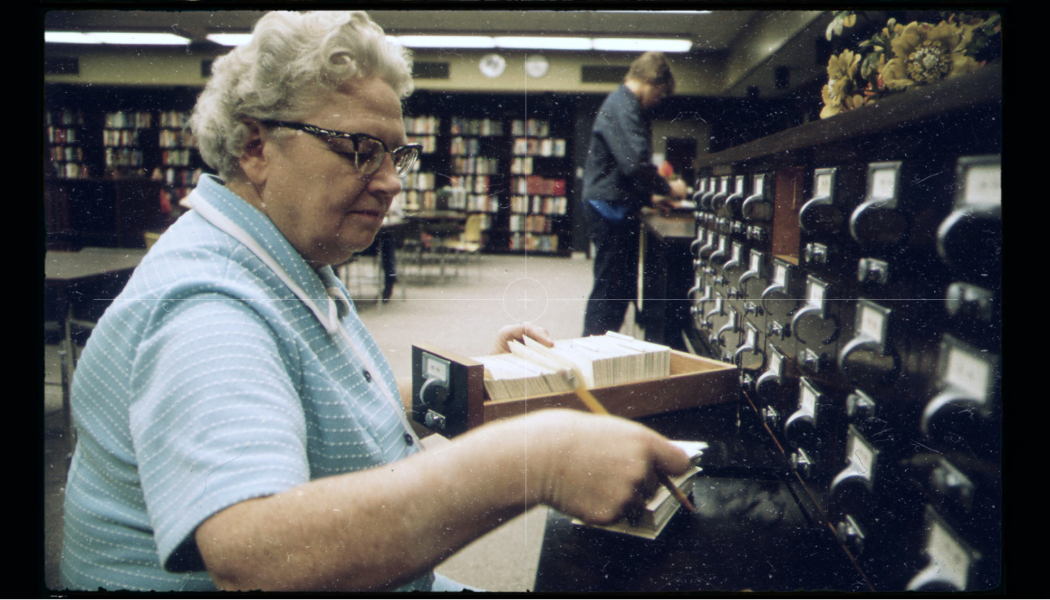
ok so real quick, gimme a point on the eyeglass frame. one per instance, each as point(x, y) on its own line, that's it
point(355, 138)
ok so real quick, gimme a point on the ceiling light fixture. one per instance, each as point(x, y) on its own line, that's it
point(115, 37)
point(230, 39)
point(544, 43)
point(68, 37)
point(641, 45)
point(446, 41)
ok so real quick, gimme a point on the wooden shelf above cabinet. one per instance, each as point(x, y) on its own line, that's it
point(981, 89)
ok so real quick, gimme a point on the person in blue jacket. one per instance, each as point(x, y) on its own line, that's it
point(620, 179)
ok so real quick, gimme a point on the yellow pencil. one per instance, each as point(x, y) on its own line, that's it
point(592, 403)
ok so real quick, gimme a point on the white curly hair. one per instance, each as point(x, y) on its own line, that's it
point(290, 65)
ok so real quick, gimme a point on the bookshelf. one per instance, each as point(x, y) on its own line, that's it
point(63, 136)
point(500, 156)
point(116, 162)
point(476, 167)
point(538, 204)
point(480, 150)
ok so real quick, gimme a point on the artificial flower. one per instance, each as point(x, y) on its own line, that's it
point(842, 19)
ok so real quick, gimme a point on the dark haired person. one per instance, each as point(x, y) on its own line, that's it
point(619, 179)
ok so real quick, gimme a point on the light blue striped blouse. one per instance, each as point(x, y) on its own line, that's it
point(228, 369)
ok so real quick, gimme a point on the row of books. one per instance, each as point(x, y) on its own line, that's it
point(463, 126)
point(530, 242)
point(66, 153)
point(538, 147)
point(60, 135)
point(521, 166)
point(478, 184)
point(461, 146)
point(177, 177)
point(532, 369)
point(418, 181)
point(422, 125)
point(429, 142)
point(543, 205)
point(532, 223)
point(69, 170)
point(120, 137)
point(530, 127)
point(129, 120)
point(174, 119)
point(537, 185)
point(64, 117)
point(176, 138)
point(475, 165)
point(177, 158)
point(123, 157)
point(460, 200)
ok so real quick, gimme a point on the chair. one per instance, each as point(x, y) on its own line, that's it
point(427, 244)
point(469, 243)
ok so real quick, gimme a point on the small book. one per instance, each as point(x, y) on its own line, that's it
point(663, 505)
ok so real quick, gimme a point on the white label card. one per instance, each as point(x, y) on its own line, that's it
point(862, 456)
point(725, 185)
point(969, 373)
point(883, 184)
point(950, 560)
point(759, 184)
point(873, 323)
point(823, 185)
point(740, 184)
point(436, 368)
point(756, 261)
point(780, 275)
point(816, 294)
point(808, 401)
point(737, 251)
point(776, 362)
point(983, 186)
point(752, 336)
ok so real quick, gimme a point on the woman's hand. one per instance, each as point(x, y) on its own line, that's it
point(596, 468)
point(518, 333)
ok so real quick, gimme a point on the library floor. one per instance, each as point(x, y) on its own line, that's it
point(460, 311)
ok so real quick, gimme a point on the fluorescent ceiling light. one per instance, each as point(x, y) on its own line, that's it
point(230, 39)
point(68, 37)
point(115, 37)
point(661, 12)
point(642, 45)
point(544, 43)
point(446, 41)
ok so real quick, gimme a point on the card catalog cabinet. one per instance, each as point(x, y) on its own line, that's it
point(851, 268)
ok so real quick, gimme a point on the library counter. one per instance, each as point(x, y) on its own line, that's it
point(666, 269)
point(755, 528)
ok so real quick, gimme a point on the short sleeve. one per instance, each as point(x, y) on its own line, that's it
point(215, 417)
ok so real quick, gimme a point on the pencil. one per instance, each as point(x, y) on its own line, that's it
point(592, 403)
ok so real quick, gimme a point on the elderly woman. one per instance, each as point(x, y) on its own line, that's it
point(238, 427)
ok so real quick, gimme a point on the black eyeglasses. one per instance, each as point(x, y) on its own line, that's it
point(367, 151)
